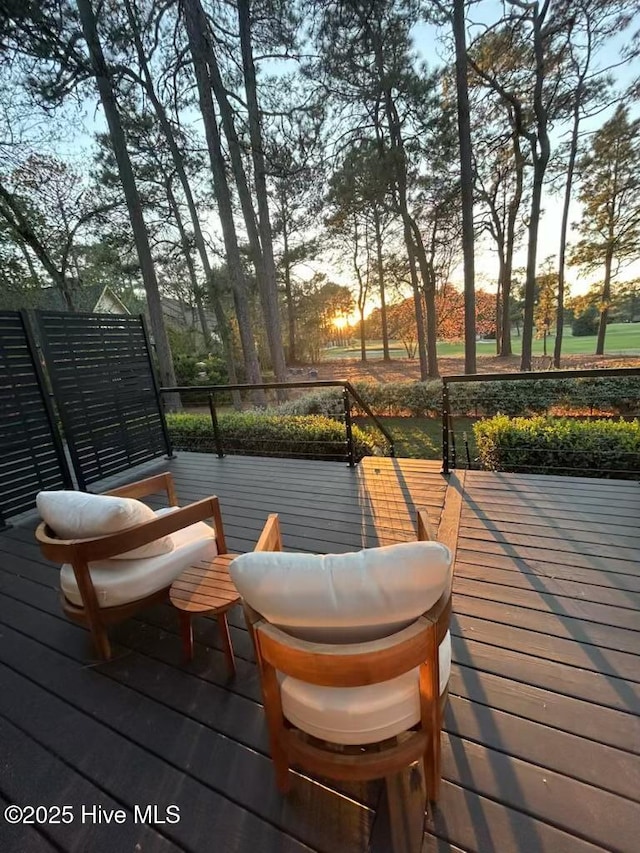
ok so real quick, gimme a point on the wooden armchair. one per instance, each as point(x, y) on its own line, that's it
point(201, 542)
point(293, 666)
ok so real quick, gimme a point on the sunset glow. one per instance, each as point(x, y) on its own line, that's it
point(341, 322)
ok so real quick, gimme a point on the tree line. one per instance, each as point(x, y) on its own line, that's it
point(249, 143)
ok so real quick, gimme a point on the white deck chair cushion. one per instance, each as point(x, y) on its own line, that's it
point(80, 515)
point(344, 598)
point(360, 715)
point(121, 581)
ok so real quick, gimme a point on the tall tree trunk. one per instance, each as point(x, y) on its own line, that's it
point(532, 250)
point(134, 206)
point(288, 291)
point(505, 325)
point(417, 305)
point(431, 324)
point(32, 270)
point(186, 251)
point(271, 309)
point(564, 227)
point(466, 178)
point(198, 49)
point(268, 298)
point(510, 240)
point(362, 289)
point(499, 302)
point(540, 150)
point(606, 297)
point(223, 329)
point(381, 288)
point(427, 352)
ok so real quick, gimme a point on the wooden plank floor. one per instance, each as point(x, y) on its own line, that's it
point(542, 732)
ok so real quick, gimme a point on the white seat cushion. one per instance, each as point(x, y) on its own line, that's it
point(359, 715)
point(81, 515)
point(349, 598)
point(344, 598)
point(121, 581)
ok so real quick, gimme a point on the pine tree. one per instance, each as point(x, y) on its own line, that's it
point(610, 196)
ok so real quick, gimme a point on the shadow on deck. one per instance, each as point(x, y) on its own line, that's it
point(542, 742)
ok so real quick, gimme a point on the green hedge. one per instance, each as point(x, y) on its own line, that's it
point(188, 373)
point(420, 399)
point(618, 395)
point(259, 434)
point(539, 445)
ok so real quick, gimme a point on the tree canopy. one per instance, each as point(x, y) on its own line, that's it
point(257, 161)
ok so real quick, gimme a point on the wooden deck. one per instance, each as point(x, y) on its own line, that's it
point(542, 741)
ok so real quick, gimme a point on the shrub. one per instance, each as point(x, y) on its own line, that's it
point(188, 373)
point(391, 398)
point(260, 434)
point(586, 324)
point(327, 402)
point(619, 395)
point(544, 444)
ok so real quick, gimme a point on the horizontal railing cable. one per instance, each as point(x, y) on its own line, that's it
point(349, 392)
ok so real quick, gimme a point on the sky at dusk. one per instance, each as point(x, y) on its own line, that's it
point(77, 143)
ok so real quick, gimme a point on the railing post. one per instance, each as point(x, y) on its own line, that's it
point(216, 427)
point(348, 427)
point(452, 442)
point(466, 447)
point(445, 427)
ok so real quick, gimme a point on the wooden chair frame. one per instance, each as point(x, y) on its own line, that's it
point(353, 665)
point(80, 552)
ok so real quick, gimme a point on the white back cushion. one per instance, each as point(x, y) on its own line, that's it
point(129, 580)
point(80, 515)
point(344, 598)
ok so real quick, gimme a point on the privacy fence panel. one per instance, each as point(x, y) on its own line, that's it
point(31, 452)
point(105, 388)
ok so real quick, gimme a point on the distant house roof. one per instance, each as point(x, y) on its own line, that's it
point(100, 299)
point(180, 314)
point(95, 298)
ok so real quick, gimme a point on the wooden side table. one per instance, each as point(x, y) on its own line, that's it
point(206, 588)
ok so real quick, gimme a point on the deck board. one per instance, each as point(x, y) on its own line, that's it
point(542, 733)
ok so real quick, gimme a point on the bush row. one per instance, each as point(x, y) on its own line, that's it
point(260, 434)
point(617, 395)
point(544, 445)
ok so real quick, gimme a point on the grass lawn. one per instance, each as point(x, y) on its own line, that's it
point(421, 438)
point(621, 338)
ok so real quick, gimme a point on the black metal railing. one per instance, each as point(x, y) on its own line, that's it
point(341, 449)
point(583, 461)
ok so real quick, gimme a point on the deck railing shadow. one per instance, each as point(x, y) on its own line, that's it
point(397, 492)
point(503, 772)
point(573, 625)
